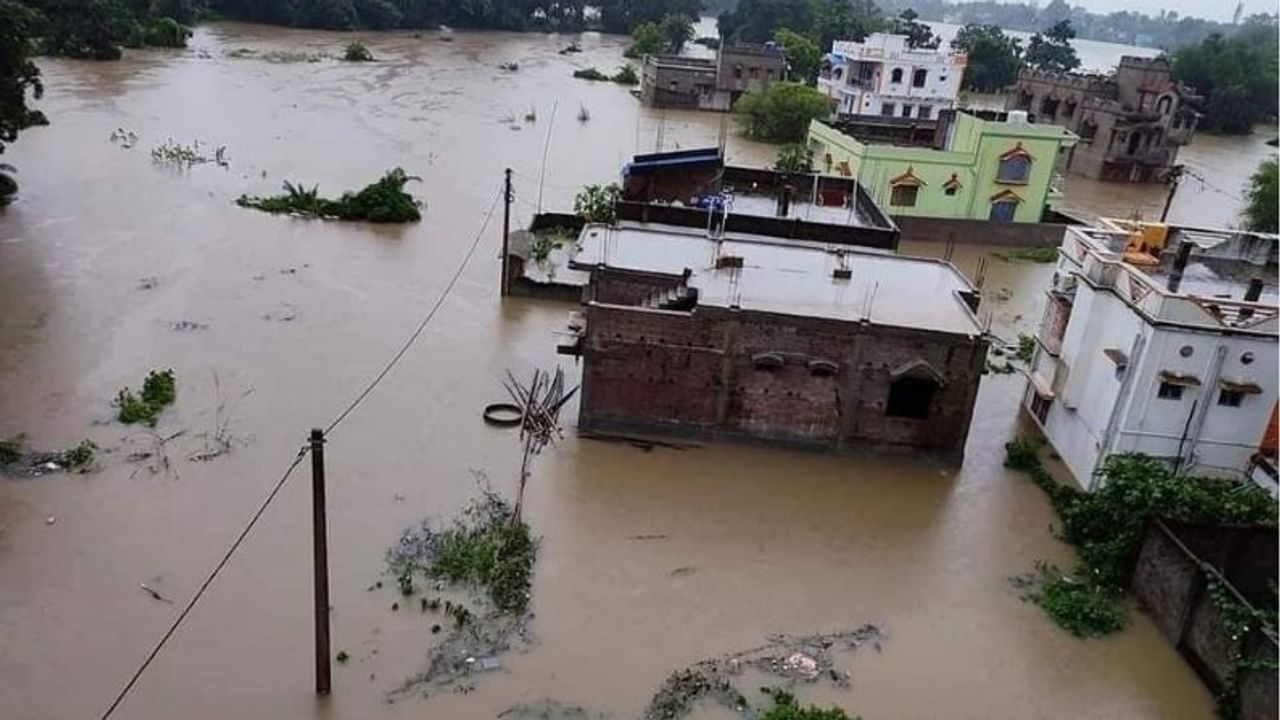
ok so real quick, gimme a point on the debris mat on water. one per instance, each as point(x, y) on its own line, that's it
point(791, 658)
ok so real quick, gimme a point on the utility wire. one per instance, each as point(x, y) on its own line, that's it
point(425, 320)
point(302, 453)
point(226, 557)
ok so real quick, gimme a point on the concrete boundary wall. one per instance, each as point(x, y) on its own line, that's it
point(1172, 584)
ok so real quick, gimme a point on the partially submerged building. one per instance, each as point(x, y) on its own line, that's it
point(744, 304)
point(676, 81)
point(1001, 171)
point(1130, 124)
point(1160, 340)
point(883, 76)
point(761, 339)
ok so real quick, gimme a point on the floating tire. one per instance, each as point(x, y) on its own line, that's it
point(503, 414)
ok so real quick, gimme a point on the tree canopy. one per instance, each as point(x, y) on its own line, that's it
point(803, 56)
point(1263, 195)
point(821, 20)
point(19, 79)
point(1237, 77)
point(781, 112)
point(1051, 50)
point(994, 58)
point(919, 35)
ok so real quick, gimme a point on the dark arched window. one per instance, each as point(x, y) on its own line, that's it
point(1164, 105)
point(918, 78)
point(896, 75)
point(910, 397)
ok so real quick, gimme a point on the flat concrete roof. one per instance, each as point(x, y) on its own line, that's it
point(791, 277)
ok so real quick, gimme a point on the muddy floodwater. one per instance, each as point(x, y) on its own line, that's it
point(111, 265)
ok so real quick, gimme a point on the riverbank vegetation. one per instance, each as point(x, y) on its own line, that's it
point(19, 80)
point(614, 16)
point(96, 29)
point(1237, 76)
point(665, 36)
point(1165, 29)
point(384, 201)
point(781, 112)
point(1107, 527)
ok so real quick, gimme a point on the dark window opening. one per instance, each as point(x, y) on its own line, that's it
point(906, 111)
point(1040, 407)
point(896, 75)
point(919, 77)
point(887, 109)
point(1003, 211)
point(1169, 391)
point(924, 112)
point(1230, 398)
point(1088, 130)
point(754, 72)
point(1015, 169)
point(910, 398)
point(904, 195)
point(950, 190)
point(1164, 104)
point(1048, 108)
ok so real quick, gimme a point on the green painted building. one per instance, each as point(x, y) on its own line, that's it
point(975, 169)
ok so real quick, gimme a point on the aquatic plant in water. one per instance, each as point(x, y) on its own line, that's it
point(159, 390)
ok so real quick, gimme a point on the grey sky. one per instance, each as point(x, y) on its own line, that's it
point(1211, 9)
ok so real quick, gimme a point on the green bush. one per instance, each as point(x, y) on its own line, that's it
point(1081, 607)
point(781, 112)
point(626, 75)
point(598, 203)
point(12, 448)
point(158, 391)
point(590, 74)
point(384, 201)
point(80, 456)
point(785, 707)
point(357, 52)
point(794, 158)
point(1107, 527)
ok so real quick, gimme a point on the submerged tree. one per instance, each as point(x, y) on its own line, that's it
point(803, 55)
point(1237, 77)
point(794, 158)
point(18, 76)
point(1263, 195)
point(781, 112)
point(1051, 50)
point(994, 58)
point(919, 35)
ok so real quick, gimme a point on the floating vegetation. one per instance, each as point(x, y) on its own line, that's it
point(357, 52)
point(184, 156)
point(80, 456)
point(509, 67)
point(11, 448)
point(532, 115)
point(123, 138)
point(159, 391)
point(276, 56)
point(17, 460)
point(583, 114)
point(384, 201)
point(590, 74)
point(488, 549)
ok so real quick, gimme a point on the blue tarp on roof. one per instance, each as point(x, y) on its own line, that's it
point(642, 164)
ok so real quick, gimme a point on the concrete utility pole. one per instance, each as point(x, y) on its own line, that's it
point(320, 556)
point(1175, 174)
point(507, 197)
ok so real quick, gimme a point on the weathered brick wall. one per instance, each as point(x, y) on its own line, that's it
point(695, 373)
point(617, 287)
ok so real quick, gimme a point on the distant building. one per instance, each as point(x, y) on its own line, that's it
point(700, 84)
point(1130, 124)
point(1160, 340)
point(882, 76)
point(782, 341)
point(975, 169)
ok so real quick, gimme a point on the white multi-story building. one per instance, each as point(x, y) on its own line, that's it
point(882, 76)
point(1159, 340)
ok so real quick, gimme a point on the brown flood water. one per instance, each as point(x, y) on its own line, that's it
point(778, 541)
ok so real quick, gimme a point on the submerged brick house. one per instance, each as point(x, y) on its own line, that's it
point(781, 341)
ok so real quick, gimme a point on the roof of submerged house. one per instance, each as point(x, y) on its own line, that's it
point(790, 277)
